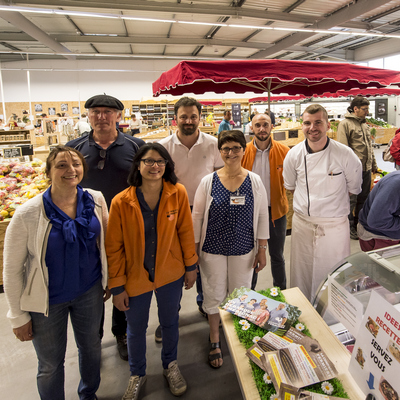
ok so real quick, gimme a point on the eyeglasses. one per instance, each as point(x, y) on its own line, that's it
point(149, 162)
point(101, 163)
point(235, 149)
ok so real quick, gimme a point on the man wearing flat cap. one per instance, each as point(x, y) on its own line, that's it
point(109, 154)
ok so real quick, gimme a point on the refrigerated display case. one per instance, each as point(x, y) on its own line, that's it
point(359, 274)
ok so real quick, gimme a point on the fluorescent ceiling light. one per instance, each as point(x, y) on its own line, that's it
point(201, 23)
point(172, 21)
point(131, 18)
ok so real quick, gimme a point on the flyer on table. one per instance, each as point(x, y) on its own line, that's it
point(375, 361)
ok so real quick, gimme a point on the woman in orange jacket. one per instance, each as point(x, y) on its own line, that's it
point(150, 247)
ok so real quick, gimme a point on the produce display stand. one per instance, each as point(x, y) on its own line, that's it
point(332, 346)
point(383, 135)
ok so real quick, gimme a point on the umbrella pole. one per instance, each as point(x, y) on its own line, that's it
point(269, 96)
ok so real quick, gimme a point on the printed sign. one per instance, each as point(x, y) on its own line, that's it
point(375, 361)
point(12, 152)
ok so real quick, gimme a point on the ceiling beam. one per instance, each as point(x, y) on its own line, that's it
point(179, 8)
point(18, 20)
point(345, 14)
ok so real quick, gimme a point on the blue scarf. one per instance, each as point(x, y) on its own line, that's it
point(75, 233)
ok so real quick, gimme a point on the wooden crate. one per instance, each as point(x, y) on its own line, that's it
point(288, 136)
point(383, 135)
point(3, 227)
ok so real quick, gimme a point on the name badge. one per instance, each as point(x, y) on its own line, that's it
point(238, 200)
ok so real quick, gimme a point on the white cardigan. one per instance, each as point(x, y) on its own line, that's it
point(25, 272)
point(203, 199)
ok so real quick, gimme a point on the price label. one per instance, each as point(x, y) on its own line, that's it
point(12, 152)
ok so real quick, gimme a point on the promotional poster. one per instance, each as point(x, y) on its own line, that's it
point(375, 361)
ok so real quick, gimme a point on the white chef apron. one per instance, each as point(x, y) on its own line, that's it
point(317, 244)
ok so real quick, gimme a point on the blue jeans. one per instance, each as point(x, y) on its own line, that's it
point(168, 303)
point(50, 342)
point(276, 245)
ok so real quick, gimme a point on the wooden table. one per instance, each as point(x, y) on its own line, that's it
point(332, 346)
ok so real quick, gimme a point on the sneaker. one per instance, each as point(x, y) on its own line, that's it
point(176, 382)
point(353, 233)
point(158, 335)
point(133, 389)
point(122, 347)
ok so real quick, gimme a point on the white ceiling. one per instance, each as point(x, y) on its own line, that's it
point(27, 31)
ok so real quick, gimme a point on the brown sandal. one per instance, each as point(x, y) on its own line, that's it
point(216, 356)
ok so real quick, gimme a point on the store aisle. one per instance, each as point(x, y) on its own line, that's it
point(18, 360)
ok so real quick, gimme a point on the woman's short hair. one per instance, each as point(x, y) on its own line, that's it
point(135, 178)
point(64, 149)
point(231, 136)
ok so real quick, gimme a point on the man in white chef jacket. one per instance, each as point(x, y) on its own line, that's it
point(321, 173)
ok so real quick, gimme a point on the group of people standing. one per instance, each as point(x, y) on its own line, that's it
point(191, 209)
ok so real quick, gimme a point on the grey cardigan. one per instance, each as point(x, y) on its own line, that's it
point(25, 271)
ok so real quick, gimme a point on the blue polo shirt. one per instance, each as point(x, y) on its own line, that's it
point(224, 126)
point(112, 179)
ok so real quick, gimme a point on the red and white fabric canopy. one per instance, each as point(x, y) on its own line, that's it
point(363, 92)
point(271, 76)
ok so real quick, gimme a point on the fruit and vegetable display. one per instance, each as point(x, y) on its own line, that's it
point(377, 123)
point(19, 182)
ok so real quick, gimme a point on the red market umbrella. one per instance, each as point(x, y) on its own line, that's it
point(362, 92)
point(277, 98)
point(370, 92)
point(272, 76)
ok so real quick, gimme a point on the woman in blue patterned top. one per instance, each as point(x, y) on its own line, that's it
point(230, 216)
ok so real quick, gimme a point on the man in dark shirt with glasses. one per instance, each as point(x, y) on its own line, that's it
point(109, 154)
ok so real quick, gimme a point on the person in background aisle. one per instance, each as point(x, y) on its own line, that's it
point(82, 126)
point(150, 247)
point(225, 125)
point(255, 112)
point(135, 125)
point(395, 149)
point(321, 173)
point(265, 156)
point(231, 231)
point(195, 155)
point(245, 119)
point(379, 219)
point(55, 268)
point(109, 154)
point(271, 116)
point(354, 132)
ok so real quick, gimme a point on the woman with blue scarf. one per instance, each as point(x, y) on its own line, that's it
point(55, 267)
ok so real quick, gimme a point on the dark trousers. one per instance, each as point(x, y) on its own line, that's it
point(118, 326)
point(168, 304)
point(357, 200)
point(276, 245)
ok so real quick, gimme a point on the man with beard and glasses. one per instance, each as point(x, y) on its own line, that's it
point(195, 155)
point(321, 173)
point(265, 156)
point(109, 154)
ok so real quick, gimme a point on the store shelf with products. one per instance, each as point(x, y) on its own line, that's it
point(15, 136)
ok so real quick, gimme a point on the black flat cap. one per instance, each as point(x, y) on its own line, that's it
point(103, 100)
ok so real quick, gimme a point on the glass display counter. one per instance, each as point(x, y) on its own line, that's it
point(359, 274)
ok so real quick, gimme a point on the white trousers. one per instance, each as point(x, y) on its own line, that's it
point(220, 275)
point(317, 244)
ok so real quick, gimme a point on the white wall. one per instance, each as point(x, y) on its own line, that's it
point(65, 80)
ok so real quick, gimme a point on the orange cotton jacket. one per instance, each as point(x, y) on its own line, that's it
point(277, 153)
point(125, 240)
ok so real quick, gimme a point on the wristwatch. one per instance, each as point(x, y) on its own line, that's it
point(262, 247)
